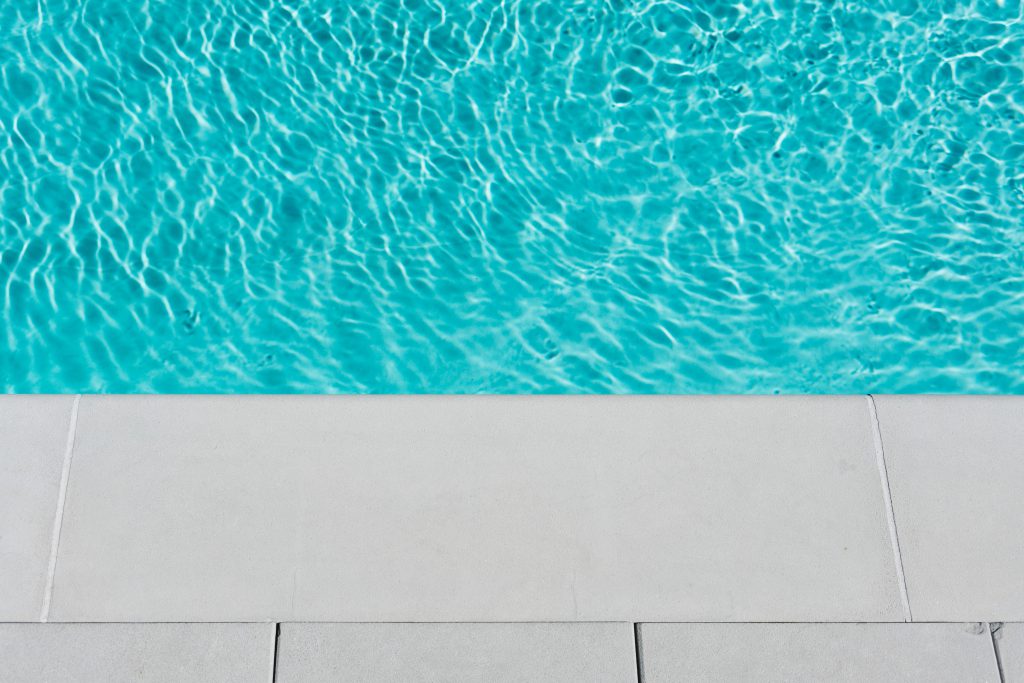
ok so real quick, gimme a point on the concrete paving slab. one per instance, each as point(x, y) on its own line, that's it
point(956, 653)
point(459, 653)
point(1009, 638)
point(494, 508)
point(136, 653)
point(33, 437)
point(956, 468)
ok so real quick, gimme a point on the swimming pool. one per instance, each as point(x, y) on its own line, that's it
point(505, 196)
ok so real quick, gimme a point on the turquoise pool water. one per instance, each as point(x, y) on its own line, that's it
point(517, 196)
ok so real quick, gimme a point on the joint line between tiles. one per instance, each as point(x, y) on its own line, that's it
point(275, 652)
point(638, 652)
point(58, 517)
point(993, 632)
point(890, 514)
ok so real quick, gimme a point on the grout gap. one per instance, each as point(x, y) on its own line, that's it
point(638, 653)
point(273, 662)
point(58, 517)
point(993, 629)
point(890, 514)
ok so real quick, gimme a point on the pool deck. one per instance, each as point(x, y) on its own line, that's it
point(539, 538)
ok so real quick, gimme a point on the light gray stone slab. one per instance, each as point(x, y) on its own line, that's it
point(956, 469)
point(460, 653)
point(1010, 641)
point(475, 509)
point(136, 653)
point(675, 653)
point(33, 436)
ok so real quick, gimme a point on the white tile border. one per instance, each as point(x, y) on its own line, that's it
point(1008, 644)
point(457, 652)
point(33, 443)
point(372, 652)
point(497, 508)
point(879, 436)
point(809, 652)
point(956, 470)
point(135, 652)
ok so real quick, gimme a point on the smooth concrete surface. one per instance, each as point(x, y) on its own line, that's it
point(136, 653)
point(33, 438)
point(458, 653)
point(956, 468)
point(481, 508)
point(817, 652)
point(1009, 638)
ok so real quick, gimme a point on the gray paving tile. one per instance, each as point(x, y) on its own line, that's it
point(136, 653)
point(475, 509)
point(1010, 640)
point(491, 653)
point(956, 468)
point(817, 652)
point(33, 435)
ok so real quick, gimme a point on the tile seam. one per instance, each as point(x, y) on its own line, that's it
point(890, 514)
point(993, 632)
point(58, 517)
point(638, 652)
point(275, 654)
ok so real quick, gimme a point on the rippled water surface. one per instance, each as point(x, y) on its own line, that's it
point(515, 196)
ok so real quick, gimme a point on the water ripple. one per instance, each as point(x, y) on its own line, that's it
point(583, 196)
